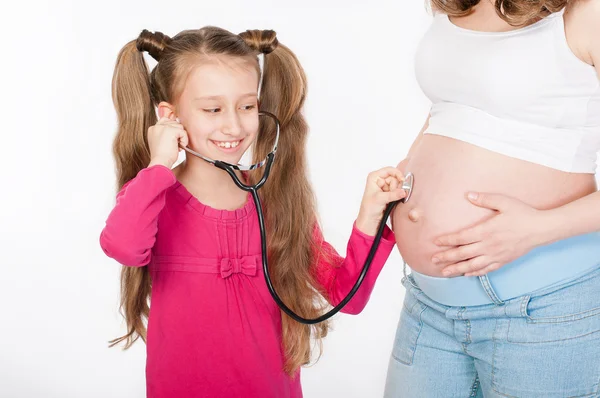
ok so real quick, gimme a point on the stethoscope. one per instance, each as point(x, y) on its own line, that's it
point(407, 186)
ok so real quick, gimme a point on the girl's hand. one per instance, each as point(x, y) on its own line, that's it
point(164, 139)
point(383, 186)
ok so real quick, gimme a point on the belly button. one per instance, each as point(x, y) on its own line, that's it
point(413, 215)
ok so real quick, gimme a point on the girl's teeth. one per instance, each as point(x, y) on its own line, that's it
point(228, 144)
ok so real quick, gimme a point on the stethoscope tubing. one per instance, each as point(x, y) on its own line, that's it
point(253, 189)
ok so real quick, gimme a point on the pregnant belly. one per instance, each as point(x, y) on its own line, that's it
point(446, 169)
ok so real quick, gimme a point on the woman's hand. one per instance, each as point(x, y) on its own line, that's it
point(164, 139)
point(383, 186)
point(512, 232)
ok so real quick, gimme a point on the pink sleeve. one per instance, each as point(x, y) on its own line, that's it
point(130, 231)
point(337, 275)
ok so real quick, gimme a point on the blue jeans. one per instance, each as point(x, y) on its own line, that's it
point(545, 344)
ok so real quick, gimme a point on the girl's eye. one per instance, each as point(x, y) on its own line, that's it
point(248, 107)
point(212, 110)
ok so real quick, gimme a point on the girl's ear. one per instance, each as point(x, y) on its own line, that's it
point(166, 110)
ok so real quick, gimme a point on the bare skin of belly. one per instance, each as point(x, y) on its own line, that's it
point(445, 169)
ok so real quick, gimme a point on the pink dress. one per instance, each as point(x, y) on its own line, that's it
point(214, 330)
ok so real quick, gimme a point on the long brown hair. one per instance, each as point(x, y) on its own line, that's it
point(515, 12)
point(290, 209)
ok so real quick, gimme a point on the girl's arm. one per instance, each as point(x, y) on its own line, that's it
point(130, 231)
point(336, 275)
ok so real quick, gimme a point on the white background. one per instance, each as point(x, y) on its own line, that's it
point(59, 293)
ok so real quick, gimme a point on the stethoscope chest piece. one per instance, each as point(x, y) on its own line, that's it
point(407, 185)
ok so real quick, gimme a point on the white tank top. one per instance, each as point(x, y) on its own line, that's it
point(521, 93)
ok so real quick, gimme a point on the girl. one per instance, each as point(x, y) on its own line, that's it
point(504, 297)
point(190, 237)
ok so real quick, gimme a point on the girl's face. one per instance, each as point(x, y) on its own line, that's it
point(219, 108)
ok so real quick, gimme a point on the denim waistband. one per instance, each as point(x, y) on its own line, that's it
point(540, 268)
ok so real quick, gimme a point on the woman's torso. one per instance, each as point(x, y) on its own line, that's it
point(446, 168)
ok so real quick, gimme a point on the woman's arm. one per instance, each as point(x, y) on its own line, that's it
point(583, 215)
point(582, 27)
point(575, 218)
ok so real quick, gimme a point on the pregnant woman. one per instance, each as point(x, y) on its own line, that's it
point(502, 231)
